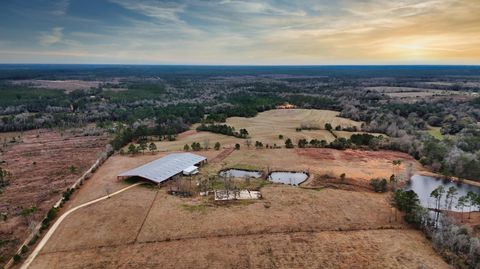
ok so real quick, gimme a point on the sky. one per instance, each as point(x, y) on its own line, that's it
point(234, 32)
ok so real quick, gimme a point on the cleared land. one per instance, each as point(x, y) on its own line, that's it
point(267, 126)
point(358, 249)
point(40, 163)
point(356, 164)
point(290, 227)
point(435, 132)
point(410, 95)
point(411, 92)
point(66, 85)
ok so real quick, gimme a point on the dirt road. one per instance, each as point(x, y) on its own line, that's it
point(54, 227)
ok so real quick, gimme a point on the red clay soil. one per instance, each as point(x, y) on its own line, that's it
point(40, 168)
point(349, 154)
point(186, 134)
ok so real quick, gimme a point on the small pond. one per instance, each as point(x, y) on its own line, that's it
point(424, 185)
point(240, 173)
point(290, 178)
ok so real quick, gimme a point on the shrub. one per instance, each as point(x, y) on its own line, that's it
point(24, 249)
point(33, 240)
point(16, 258)
point(51, 214)
point(302, 143)
point(67, 194)
point(288, 143)
point(340, 143)
point(379, 185)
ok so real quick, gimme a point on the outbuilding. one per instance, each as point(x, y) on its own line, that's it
point(167, 167)
point(192, 170)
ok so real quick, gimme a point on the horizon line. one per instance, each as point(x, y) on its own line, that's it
point(246, 65)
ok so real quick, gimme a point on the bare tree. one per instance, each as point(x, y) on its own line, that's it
point(206, 144)
point(248, 143)
point(108, 189)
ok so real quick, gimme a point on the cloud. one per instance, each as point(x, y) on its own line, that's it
point(52, 37)
point(269, 31)
point(60, 7)
point(164, 11)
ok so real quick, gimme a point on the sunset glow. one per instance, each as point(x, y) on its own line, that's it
point(241, 32)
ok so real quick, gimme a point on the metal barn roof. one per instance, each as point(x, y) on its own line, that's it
point(165, 167)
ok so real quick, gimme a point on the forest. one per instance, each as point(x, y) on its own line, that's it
point(137, 101)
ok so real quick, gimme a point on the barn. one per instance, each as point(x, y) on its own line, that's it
point(166, 167)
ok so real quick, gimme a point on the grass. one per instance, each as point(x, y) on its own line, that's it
point(242, 184)
point(435, 132)
point(195, 208)
point(252, 184)
point(246, 167)
point(267, 126)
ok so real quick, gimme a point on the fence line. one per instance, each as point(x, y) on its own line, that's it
point(104, 155)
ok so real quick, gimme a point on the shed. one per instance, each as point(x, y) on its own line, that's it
point(192, 170)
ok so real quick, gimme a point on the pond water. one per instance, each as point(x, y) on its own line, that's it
point(290, 178)
point(424, 185)
point(240, 173)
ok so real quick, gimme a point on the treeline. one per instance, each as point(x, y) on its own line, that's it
point(249, 105)
point(357, 140)
point(223, 129)
point(455, 153)
point(456, 244)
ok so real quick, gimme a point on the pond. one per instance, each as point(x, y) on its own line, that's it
point(290, 178)
point(424, 185)
point(240, 173)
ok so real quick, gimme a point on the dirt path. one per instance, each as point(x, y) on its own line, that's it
point(224, 154)
point(232, 236)
point(54, 227)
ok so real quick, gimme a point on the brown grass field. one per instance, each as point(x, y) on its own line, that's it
point(66, 85)
point(411, 95)
point(266, 127)
point(290, 227)
point(40, 166)
point(312, 226)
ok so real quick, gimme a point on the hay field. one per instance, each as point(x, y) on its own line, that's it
point(267, 126)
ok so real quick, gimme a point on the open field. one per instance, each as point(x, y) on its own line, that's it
point(411, 95)
point(267, 126)
point(356, 164)
point(66, 85)
point(41, 170)
point(411, 92)
point(7, 137)
point(289, 227)
point(435, 132)
point(467, 84)
point(330, 249)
